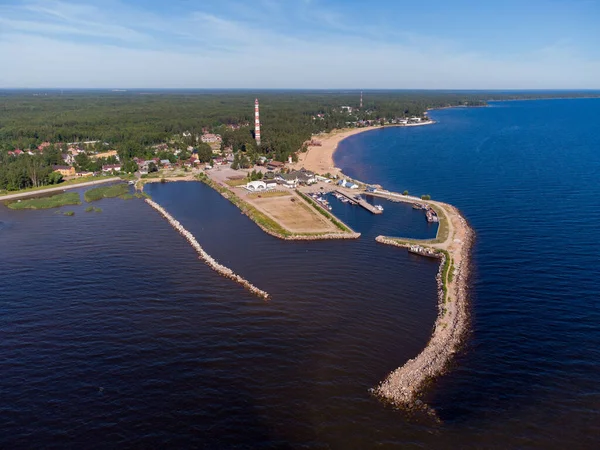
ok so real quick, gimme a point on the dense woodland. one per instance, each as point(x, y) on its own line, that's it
point(131, 122)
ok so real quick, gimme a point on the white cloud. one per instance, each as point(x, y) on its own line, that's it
point(205, 50)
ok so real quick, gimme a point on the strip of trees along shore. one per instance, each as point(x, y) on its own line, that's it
point(134, 122)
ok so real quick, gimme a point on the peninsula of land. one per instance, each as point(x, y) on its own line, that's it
point(403, 386)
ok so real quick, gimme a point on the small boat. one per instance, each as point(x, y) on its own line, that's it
point(131, 182)
point(431, 216)
point(378, 207)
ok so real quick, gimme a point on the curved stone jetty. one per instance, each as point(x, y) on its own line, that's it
point(209, 260)
point(403, 386)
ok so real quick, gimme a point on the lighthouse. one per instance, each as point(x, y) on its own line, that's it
point(256, 123)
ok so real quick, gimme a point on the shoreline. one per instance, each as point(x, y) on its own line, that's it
point(259, 217)
point(319, 159)
point(57, 189)
point(403, 386)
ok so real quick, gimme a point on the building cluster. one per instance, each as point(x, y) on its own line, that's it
point(290, 180)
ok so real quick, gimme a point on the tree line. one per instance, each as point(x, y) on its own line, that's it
point(132, 122)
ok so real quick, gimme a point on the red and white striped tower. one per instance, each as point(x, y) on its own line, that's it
point(256, 123)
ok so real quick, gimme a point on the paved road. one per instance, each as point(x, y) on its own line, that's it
point(57, 189)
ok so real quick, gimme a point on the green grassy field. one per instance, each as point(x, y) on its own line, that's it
point(50, 186)
point(55, 201)
point(115, 190)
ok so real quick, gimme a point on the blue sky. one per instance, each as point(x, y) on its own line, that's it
point(433, 44)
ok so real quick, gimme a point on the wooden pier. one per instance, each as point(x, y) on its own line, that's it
point(362, 202)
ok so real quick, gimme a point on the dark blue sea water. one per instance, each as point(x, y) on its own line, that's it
point(113, 333)
point(527, 176)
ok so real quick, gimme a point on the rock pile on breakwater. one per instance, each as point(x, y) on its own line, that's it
point(209, 260)
point(384, 240)
point(403, 386)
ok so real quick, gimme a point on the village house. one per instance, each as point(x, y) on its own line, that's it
point(84, 174)
point(347, 184)
point(68, 158)
point(288, 180)
point(296, 177)
point(111, 168)
point(210, 138)
point(275, 165)
point(65, 171)
point(165, 163)
point(43, 145)
point(160, 147)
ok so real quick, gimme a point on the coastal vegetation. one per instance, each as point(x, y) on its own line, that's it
point(115, 190)
point(164, 126)
point(69, 213)
point(93, 209)
point(237, 182)
point(54, 201)
point(268, 194)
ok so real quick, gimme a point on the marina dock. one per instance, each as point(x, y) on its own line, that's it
point(360, 201)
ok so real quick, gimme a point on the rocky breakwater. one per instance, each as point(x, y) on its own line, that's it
point(209, 260)
point(403, 386)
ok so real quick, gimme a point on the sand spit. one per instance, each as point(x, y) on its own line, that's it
point(209, 260)
point(403, 386)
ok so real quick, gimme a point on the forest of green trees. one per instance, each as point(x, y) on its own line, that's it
point(131, 122)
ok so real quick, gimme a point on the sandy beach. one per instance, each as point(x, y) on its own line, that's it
point(319, 159)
